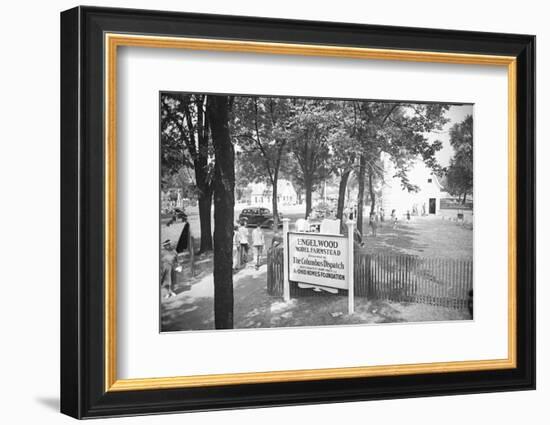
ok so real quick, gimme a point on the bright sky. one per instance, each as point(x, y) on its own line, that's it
point(456, 114)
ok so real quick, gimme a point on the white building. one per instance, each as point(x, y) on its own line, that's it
point(395, 197)
point(261, 193)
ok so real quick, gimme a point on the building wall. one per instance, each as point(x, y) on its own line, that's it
point(395, 197)
point(261, 193)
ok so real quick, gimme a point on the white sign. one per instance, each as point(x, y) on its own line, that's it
point(318, 259)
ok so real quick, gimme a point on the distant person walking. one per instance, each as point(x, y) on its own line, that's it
point(394, 218)
point(258, 243)
point(373, 224)
point(243, 239)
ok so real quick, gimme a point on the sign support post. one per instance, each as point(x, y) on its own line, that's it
point(286, 283)
point(351, 284)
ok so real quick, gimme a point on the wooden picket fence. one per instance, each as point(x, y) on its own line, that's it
point(396, 277)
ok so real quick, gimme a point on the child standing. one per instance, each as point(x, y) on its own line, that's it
point(168, 266)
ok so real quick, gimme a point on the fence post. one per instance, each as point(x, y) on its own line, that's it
point(351, 284)
point(286, 283)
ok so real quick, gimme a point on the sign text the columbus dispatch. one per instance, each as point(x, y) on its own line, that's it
point(318, 259)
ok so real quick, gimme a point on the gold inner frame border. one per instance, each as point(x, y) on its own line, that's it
point(111, 43)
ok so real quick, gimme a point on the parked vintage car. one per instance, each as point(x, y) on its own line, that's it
point(261, 216)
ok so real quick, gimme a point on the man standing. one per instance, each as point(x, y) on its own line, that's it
point(243, 237)
point(168, 265)
point(236, 249)
point(258, 243)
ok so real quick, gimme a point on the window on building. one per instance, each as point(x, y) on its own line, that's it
point(429, 180)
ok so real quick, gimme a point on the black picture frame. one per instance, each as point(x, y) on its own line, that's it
point(83, 392)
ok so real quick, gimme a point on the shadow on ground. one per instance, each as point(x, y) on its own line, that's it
point(193, 308)
point(49, 402)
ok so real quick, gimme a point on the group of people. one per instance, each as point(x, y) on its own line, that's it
point(374, 218)
point(172, 255)
point(241, 245)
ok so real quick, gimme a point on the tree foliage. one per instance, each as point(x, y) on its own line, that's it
point(313, 122)
point(185, 141)
point(174, 153)
point(460, 174)
point(398, 129)
point(261, 128)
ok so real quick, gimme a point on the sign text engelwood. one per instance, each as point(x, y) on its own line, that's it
point(318, 259)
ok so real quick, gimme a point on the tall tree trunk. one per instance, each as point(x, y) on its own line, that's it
point(361, 194)
point(371, 192)
point(224, 204)
point(205, 210)
point(275, 182)
point(309, 189)
point(274, 200)
point(342, 195)
point(464, 198)
point(201, 176)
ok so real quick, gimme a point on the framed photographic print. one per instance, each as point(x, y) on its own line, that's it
point(261, 212)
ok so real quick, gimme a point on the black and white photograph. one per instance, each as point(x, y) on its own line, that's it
point(293, 211)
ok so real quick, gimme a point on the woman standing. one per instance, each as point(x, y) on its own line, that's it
point(185, 243)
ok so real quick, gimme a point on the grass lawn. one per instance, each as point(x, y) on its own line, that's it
point(430, 237)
